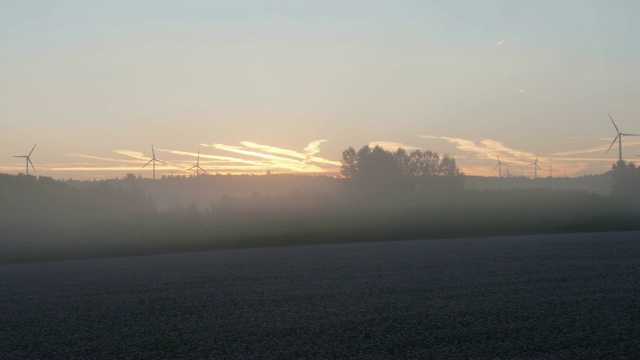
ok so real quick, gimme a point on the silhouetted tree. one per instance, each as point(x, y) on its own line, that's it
point(349, 167)
point(372, 170)
point(626, 182)
point(379, 170)
point(404, 162)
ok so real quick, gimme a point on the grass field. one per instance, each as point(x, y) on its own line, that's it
point(542, 296)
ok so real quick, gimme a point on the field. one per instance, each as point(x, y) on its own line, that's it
point(542, 296)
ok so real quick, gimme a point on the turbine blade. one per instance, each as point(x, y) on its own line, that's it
point(33, 167)
point(630, 134)
point(145, 165)
point(538, 166)
point(190, 168)
point(153, 152)
point(160, 161)
point(496, 167)
point(613, 142)
point(34, 146)
point(614, 123)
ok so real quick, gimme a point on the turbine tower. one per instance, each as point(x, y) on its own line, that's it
point(619, 138)
point(197, 166)
point(499, 166)
point(28, 160)
point(153, 160)
point(535, 168)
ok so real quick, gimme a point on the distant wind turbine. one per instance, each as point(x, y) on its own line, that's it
point(619, 138)
point(28, 160)
point(535, 168)
point(197, 166)
point(499, 166)
point(508, 173)
point(153, 159)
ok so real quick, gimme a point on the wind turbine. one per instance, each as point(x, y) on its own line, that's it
point(508, 173)
point(153, 159)
point(197, 166)
point(535, 168)
point(28, 160)
point(499, 166)
point(619, 138)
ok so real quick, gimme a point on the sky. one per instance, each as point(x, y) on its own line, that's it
point(286, 86)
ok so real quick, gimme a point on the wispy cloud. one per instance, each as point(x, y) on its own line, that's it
point(307, 154)
point(595, 149)
point(133, 154)
point(247, 158)
point(484, 149)
point(272, 149)
point(500, 147)
point(310, 150)
point(212, 159)
point(285, 159)
point(392, 146)
point(100, 158)
point(479, 151)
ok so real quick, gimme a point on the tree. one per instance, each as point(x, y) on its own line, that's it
point(349, 167)
point(626, 182)
point(371, 170)
point(379, 170)
point(424, 163)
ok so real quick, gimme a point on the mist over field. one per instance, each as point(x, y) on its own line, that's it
point(381, 195)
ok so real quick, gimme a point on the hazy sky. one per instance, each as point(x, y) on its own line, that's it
point(255, 85)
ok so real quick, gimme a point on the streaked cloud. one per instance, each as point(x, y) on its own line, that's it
point(271, 149)
point(466, 145)
point(486, 148)
point(307, 155)
point(247, 158)
point(392, 146)
point(600, 148)
point(311, 149)
point(475, 154)
point(283, 159)
point(133, 154)
point(100, 158)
